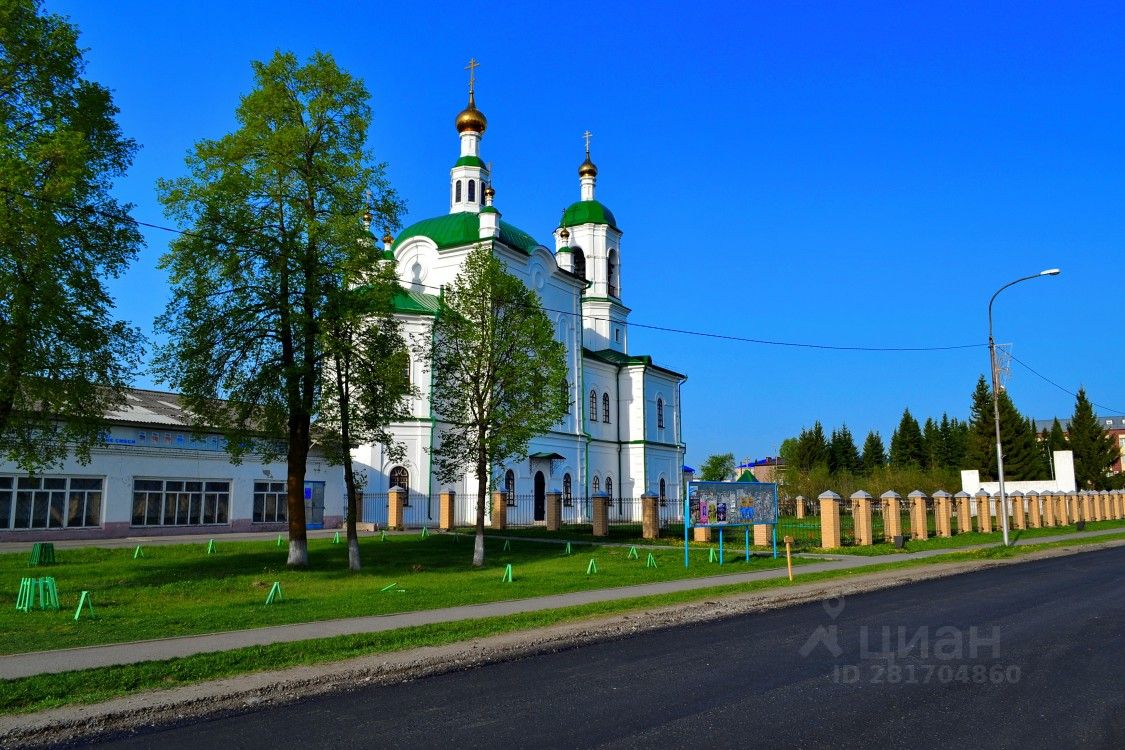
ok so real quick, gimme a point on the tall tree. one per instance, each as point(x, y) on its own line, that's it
point(64, 361)
point(718, 468)
point(1022, 457)
point(499, 375)
point(273, 210)
point(874, 454)
point(812, 448)
point(933, 446)
point(1094, 449)
point(1056, 439)
point(842, 453)
point(906, 443)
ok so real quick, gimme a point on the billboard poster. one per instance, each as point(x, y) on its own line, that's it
point(732, 503)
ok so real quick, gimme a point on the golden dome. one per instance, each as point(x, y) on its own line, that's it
point(587, 169)
point(388, 240)
point(565, 234)
point(471, 118)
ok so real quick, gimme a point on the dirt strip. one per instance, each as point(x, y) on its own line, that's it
point(248, 692)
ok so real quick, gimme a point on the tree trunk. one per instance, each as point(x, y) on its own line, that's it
point(353, 513)
point(295, 493)
point(482, 489)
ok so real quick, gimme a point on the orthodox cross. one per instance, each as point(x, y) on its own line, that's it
point(587, 135)
point(472, 68)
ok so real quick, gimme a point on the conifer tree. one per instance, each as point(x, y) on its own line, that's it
point(842, 453)
point(874, 455)
point(932, 445)
point(1022, 457)
point(1094, 449)
point(906, 443)
point(812, 448)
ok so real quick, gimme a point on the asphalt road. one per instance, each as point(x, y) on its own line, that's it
point(1025, 656)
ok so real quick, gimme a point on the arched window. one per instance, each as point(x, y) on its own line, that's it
point(579, 262)
point(663, 492)
point(596, 485)
point(457, 192)
point(593, 406)
point(400, 477)
point(605, 407)
point(472, 191)
point(568, 498)
point(609, 486)
point(406, 366)
point(611, 272)
point(510, 487)
point(660, 415)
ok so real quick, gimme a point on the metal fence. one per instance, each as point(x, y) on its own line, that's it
point(418, 509)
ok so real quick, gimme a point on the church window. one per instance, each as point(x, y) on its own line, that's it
point(596, 485)
point(593, 406)
point(659, 413)
point(400, 478)
point(611, 272)
point(457, 192)
point(566, 395)
point(609, 486)
point(605, 408)
point(568, 497)
point(510, 487)
point(663, 492)
point(472, 191)
point(579, 262)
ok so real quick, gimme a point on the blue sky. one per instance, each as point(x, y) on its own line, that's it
point(857, 174)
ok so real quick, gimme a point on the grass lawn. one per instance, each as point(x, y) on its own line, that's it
point(94, 685)
point(181, 590)
point(967, 539)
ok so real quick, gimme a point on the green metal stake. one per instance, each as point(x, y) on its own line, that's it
point(48, 594)
point(592, 567)
point(84, 598)
point(275, 593)
point(507, 545)
point(651, 561)
point(336, 538)
point(382, 536)
point(632, 553)
point(425, 532)
point(389, 586)
point(279, 542)
point(568, 550)
point(211, 547)
point(711, 555)
point(138, 552)
point(507, 574)
point(26, 597)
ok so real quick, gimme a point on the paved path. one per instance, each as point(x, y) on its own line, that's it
point(63, 660)
point(1045, 673)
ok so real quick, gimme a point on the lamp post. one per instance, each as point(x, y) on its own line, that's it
point(1003, 508)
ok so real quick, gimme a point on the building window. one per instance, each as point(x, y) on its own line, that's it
point(660, 414)
point(596, 485)
point(579, 262)
point(400, 478)
point(593, 406)
point(457, 192)
point(611, 272)
point(50, 502)
point(407, 366)
point(568, 498)
point(605, 407)
point(663, 492)
point(271, 502)
point(472, 191)
point(609, 486)
point(187, 502)
point(510, 487)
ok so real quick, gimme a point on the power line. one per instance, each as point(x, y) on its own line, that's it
point(1033, 371)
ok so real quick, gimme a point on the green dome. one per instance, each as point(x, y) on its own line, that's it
point(588, 212)
point(463, 228)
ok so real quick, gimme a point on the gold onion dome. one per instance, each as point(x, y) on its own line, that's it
point(388, 240)
point(471, 118)
point(587, 169)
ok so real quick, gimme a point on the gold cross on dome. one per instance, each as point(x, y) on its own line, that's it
point(472, 68)
point(587, 135)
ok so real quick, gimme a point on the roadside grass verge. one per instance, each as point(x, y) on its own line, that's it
point(95, 685)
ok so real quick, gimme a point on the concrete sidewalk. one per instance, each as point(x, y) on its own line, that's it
point(87, 657)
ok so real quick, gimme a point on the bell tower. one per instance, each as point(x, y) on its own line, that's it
point(469, 176)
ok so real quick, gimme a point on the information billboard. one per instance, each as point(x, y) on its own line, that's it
point(722, 504)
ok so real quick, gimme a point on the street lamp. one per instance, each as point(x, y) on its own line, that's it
point(996, 398)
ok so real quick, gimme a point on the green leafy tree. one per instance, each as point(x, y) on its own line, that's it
point(499, 376)
point(907, 447)
point(1094, 449)
point(874, 454)
point(64, 361)
point(842, 453)
point(718, 468)
point(273, 209)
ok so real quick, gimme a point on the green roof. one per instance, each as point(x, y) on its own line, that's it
point(463, 228)
point(746, 476)
point(470, 161)
point(613, 357)
point(588, 212)
point(416, 303)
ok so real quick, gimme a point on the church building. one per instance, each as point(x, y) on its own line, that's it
point(622, 436)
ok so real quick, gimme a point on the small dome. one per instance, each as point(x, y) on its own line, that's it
point(588, 168)
point(471, 118)
point(388, 240)
point(489, 191)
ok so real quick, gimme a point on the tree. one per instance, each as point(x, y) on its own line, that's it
point(1022, 457)
point(499, 376)
point(874, 455)
point(906, 443)
point(64, 361)
point(842, 453)
point(367, 380)
point(273, 211)
point(812, 448)
point(1094, 449)
point(1056, 439)
point(932, 445)
point(717, 468)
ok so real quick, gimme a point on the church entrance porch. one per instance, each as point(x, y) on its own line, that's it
point(540, 496)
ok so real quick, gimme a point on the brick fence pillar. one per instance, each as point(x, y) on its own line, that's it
point(650, 516)
point(396, 499)
point(1019, 516)
point(762, 535)
point(800, 506)
point(984, 513)
point(1119, 504)
point(943, 516)
point(499, 510)
point(892, 514)
point(601, 514)
point(1062, 512)
point(861, 518)
point(1107, 505)
point(1035, 519)
point(829, 519)
point(1050, 510)
point(553, 511)
point(447, 500)
point(919, 526)
point(1089, 507)
point(964, 512)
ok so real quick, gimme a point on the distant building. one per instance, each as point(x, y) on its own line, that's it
point(763, 470)
point(1113, 425)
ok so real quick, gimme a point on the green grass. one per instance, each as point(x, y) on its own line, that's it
point(968, 539)
point(94, 685)
point(180, 590)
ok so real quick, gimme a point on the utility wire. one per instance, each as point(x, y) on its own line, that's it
point(1033, 371)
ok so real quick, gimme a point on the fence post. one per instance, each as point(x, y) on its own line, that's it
point(861, 518)
point(554, 510)
point(919, 525)
point(943, 517)
point(1050, 507)
point(1034, 515)
point(650, 516)
point(1065, 501)
point(395, 499)
point(1119, 504)
point(447, 500)
point(984, 512)
point(829, 519)
point(601, 514)
point(1019, 517)
point(800, 506)
point(892, 514)
point(964, 512)
point(1107, 506)
point(499, 510)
